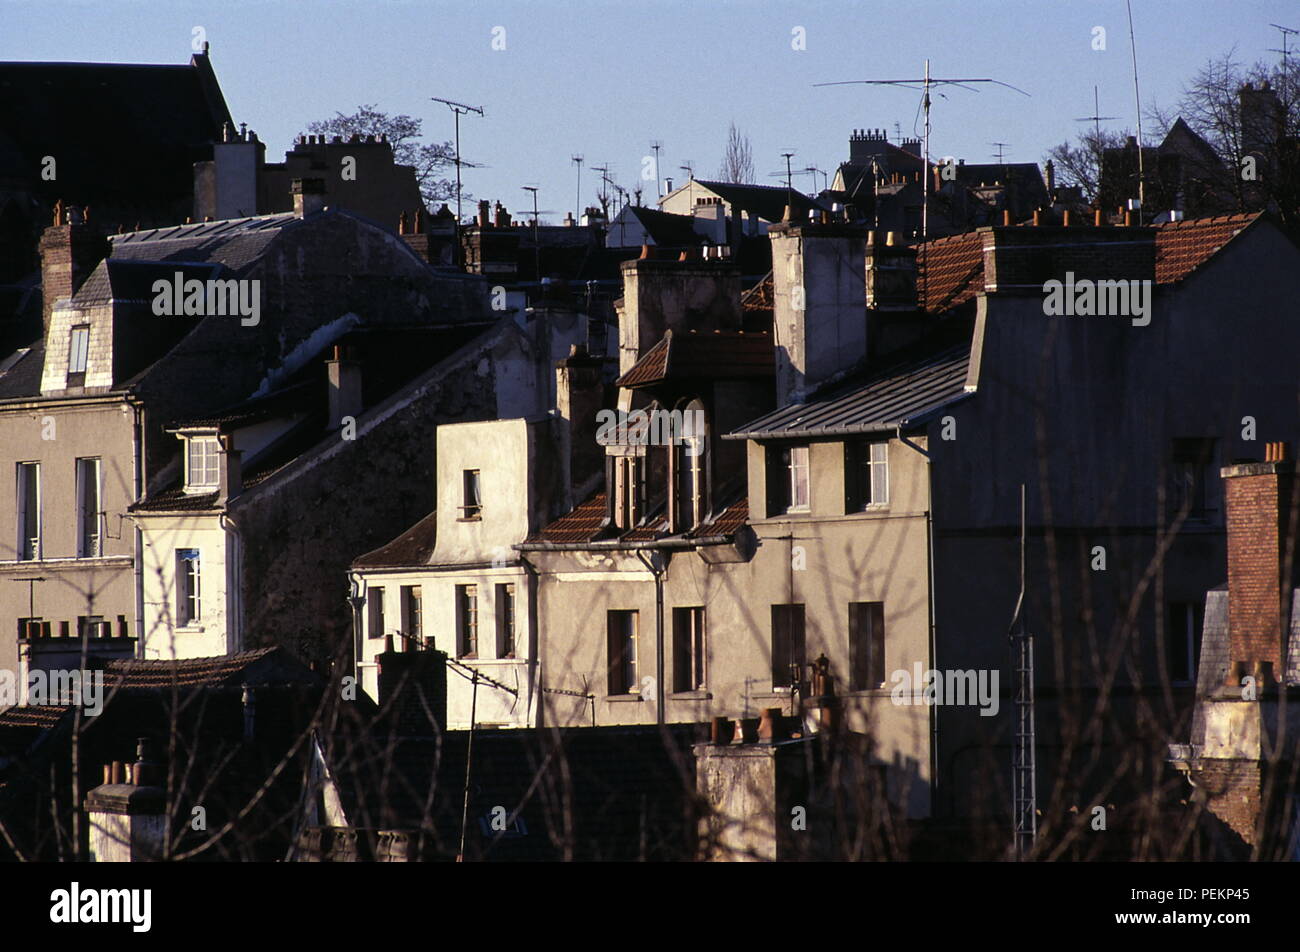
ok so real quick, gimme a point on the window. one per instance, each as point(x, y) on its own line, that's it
point(688, 649)
point(506, 620)
point(627, 490)
point(467, 621)
point(201, 462)
point(866, 645)
point(787, 479)
point(691, 499)
point(787, 645)
point(1183, 642)
point(29, 511)
point(1191, 471)
point(620, 630)
point(866, 475)
point(78, 350)
point(472, 508)
point(412, 609)
point(88, 515)
point(375, 607)
point(189, 606)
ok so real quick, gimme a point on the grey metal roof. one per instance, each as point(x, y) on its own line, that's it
point(892, 397)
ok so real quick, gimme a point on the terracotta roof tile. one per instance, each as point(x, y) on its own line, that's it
point(1183, 246)
point(952, 271)
point(187, 672)
point(717, 355)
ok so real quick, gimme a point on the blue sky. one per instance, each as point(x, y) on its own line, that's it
point(604, 78)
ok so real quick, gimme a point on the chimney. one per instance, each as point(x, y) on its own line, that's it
point(819, 316)
point(891, 273)
point(128, 812)
point(484, 213)
point(1262, 510)
point(70, 249)
point(230, 476)
point(663, 295)
point(345, 397)
point(500, 217)
point(413, 691)
point(308, 196)
point(579, 395)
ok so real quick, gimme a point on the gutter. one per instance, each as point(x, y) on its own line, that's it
point(929, 558)
point(659, 633)
point(234, 587)
point(137, 453)
point(534, 637)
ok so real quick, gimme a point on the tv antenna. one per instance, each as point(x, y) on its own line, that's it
point(789, 186)
point(1000, 146)
point(576, 159)
point(460, 109)
point(655, 146)
point(1286, 51)
point(1137, 99)
point(925, 83)
point(1096, 119)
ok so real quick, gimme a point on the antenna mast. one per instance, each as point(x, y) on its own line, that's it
point(1137, 99)
point(460, 109)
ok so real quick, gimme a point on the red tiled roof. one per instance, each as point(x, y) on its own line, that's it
point(952, 271)
point(42, 716)
point(583, 523)
point(720, 354)
point(759, 297)
point(1183, 246)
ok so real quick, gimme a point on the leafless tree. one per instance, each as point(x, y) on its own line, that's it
point(738, 159)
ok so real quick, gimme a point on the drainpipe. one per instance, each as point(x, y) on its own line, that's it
point(137, 440)
point(653, 564)
point(356, 598)
point(929, 559)
point(534, 636)
point(234, 590)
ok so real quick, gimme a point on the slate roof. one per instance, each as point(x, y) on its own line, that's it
point(721, 355)
point(23, 376)
point(765, 201)
point(131, 282)
point(235, 243)
point(122, 133)
point(889, 398)
point(666, 228)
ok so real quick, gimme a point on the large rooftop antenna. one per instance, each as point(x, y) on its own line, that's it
point(1000, 146)
point(655, 146)
point(460, 109)
point(1286, 52)
point(925, 83)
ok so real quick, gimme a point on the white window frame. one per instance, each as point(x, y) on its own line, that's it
point(90, 544)
point(210, 464)
point(796, 468)
point(879, 472)
point(375, 611)
point(78, 358)
point(26, 537)
point(189, 588)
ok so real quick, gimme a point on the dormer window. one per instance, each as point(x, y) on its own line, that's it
point(201, 462)
point(78, 352)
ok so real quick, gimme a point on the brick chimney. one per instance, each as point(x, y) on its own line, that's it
point(70, 250)
point(674, 295)
point(819, 315)
point(413, 690)
point(345, 395)
point(1262, 510)
point(308, 196)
